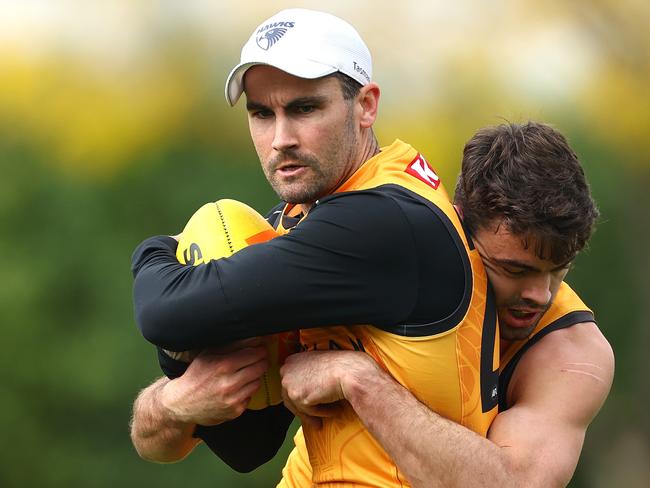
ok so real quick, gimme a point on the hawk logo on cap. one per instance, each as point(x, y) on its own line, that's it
point(266, 40)
point(271, 33)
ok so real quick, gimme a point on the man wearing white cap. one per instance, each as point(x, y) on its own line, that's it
point(368, 237)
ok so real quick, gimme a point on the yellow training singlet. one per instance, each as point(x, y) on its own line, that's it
point(567, 310)
point(452, 368)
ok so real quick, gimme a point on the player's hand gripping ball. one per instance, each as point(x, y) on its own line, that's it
point(217, 230)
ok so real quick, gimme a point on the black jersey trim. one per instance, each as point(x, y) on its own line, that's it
point(451, 321)
point(563, 322)
point(489, 376)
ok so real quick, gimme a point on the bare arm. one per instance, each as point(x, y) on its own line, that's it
point(556, 391)
point(156, 436)
point(429, 449)
point(215, 388)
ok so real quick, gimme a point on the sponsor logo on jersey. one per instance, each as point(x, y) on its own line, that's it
point(423, 172)
point(269, 34)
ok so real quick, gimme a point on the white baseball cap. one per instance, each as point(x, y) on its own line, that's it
point(304, 43)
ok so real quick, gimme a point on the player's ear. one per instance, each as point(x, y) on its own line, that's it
point(367, 104)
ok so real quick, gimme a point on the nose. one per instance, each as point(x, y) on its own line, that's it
point(537, 289)
point(285, 136)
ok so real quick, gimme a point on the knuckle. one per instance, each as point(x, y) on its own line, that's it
point(227, 387)
point(239, 409)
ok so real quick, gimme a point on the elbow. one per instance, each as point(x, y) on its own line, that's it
point(160, 457)
point(152, 456)
point(154, 315)
point(150, 329)
point(151, 449)
point(173, 324)
point(156, 327)
point(517, 474)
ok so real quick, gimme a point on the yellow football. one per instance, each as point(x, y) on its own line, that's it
point(219, 229)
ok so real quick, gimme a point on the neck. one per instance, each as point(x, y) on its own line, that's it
point(369, 148)
point(306, 207)
point(366, 149)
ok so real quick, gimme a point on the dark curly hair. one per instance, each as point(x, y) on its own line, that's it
point(526, 177)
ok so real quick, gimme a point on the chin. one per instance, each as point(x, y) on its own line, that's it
point(298, 195)
point(515, 334)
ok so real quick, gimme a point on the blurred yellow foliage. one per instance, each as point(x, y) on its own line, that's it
point(87, 121)
point(618, 107)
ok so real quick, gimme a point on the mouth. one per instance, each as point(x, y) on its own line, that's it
point(523, 318)
point(290, 169)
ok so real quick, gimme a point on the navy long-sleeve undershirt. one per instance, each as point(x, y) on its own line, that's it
point(378, 257)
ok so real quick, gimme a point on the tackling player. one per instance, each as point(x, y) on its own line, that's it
point(529, 212)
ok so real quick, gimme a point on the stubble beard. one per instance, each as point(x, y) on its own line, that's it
point(514, 334)
point(296, 190)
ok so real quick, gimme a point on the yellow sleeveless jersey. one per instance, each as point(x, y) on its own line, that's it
point(567, 310)
point(453, 369)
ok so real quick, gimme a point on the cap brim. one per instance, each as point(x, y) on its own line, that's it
point(302, 69)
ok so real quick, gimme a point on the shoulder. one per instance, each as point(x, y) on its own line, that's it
point(385, 195)
point(557, 389)
point(386, 204)
point(571, 369)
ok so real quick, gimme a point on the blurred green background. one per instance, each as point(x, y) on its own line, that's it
point(113, 127)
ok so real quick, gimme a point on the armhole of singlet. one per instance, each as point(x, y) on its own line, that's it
point(563, 322)
point(452, 320)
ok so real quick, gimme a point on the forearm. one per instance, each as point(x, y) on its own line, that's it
point(156, 436)
point(429, 449)
point(243, 443)
point(207, 400)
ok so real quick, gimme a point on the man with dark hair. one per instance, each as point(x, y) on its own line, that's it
point(367, 236)
point(528, 178)
point(529, 211)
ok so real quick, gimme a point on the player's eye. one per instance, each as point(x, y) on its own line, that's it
point(261, 114)
point(516, 272)
point(305, 109)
